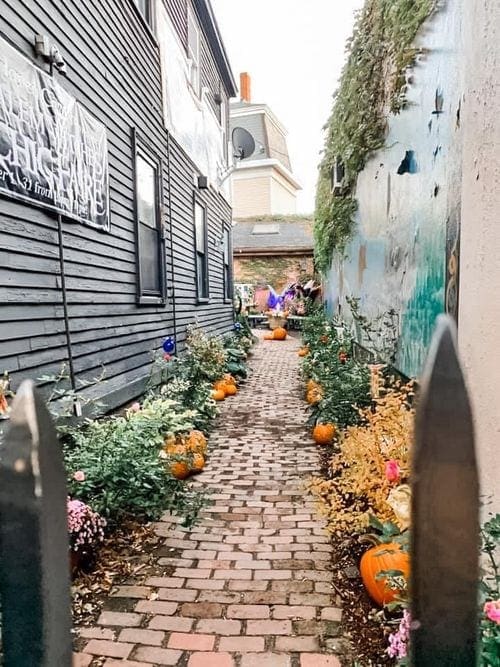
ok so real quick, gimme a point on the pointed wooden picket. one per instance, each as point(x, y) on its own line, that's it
point(34, 567)
point(445, 514)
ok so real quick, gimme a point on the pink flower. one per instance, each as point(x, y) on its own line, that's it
point(392, 470)
point(492, 610)
point(167, 356)
point(135, 407)
point(79, 476)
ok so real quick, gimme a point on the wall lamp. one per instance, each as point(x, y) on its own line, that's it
point(50, 53)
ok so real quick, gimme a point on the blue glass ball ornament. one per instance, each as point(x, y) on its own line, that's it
point(237, 326)
point(169, 345)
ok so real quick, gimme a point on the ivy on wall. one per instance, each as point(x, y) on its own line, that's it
point(372, 84)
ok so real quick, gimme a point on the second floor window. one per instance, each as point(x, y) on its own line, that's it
point(201, 250)
point(194, 52)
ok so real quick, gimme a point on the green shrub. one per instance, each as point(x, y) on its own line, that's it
point(123, 473)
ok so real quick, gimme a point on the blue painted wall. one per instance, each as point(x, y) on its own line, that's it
point(403, 259)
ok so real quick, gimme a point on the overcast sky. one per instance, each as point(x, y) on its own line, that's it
point(294, 52)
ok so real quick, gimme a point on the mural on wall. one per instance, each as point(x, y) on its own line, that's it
point(400, 271)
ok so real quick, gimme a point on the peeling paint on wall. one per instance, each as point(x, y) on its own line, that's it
point(404, 256)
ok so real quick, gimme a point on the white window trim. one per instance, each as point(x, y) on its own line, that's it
point(194, 59)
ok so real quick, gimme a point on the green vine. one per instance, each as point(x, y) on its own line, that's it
point(373, 84)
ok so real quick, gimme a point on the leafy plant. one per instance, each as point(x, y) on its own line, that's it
point(345, 384)
point(123, 474)
point(360, 485)
point(490, 594)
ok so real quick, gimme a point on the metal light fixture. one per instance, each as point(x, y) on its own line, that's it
point(50, 53)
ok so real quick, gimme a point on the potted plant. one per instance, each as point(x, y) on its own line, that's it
point(86, 531)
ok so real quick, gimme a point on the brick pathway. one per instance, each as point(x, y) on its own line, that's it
point(250, 585)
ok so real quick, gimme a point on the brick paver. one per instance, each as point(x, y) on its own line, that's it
point(250, 584)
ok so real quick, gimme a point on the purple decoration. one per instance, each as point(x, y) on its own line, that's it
point(272, 301)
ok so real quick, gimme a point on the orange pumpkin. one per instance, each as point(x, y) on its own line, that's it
point(269, 337)
point(231, 390)
point(220, 385)
point(377, 559)
point(229, 379)
point(303, 352)
point(179, 469)
point(218, 394)
point(176, 449)
point(315, 394)
point(279, 333)
point(198, 462)
point(196, 442)
point(323, 434)
point(311, 384)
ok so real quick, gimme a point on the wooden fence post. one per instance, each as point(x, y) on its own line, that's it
point(34, 562)
point(445, 514)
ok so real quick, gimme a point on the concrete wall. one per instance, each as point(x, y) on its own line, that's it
point(479, 319)
point(401, 263)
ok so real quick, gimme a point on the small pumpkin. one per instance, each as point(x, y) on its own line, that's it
point(177, 449)
point(378, 559)
point(196, 442)
point(279, 334)
point(218, 394)
point(303, 352)
point(269, 337)
point(197, 463)
point(313, 396)
point(311, 384)
point(229, 379)
point(179, 469)
point(231, 390)
point(323, 434)
point(220, 385)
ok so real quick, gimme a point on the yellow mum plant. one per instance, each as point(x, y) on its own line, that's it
point(372, 463)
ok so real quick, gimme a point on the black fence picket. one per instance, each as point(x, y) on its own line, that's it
point(34, 565)
point(445, 514)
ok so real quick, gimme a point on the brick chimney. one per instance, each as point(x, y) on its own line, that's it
point(245, 87)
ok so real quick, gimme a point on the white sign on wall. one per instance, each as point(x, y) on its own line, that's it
point(52, 152)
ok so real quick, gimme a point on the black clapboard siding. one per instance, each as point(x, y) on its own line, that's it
point(113, 70)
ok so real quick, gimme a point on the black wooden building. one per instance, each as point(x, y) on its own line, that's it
point(113, 233)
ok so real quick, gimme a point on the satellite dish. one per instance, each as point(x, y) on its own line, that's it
point(243, 143)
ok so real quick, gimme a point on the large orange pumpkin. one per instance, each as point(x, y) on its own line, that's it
point(179, 469)
point(279, 334)
point(218, 394)
point(323, 434)
point(231, 390)
point(378, 559)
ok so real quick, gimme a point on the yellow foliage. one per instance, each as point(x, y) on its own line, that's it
point(358, 486)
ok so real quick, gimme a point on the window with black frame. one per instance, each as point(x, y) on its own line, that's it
point(228, 276)
point(149, 237)
point(201, 250)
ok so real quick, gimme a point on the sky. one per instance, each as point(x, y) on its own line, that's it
point(294, 51)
